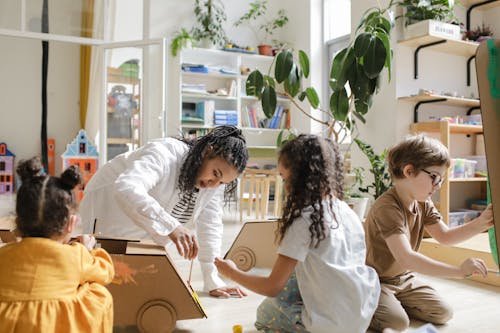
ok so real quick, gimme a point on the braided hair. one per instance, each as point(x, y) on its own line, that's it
point(44, 203)
point(315, 173)
point(226, 142)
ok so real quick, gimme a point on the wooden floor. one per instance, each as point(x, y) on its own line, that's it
point(476, 305)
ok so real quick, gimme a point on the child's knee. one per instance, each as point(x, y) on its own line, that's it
point(398, 321)
point(442, 316)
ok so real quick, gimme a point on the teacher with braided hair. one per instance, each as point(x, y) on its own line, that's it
point(171, 190)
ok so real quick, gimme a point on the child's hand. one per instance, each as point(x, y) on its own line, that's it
point(473, 265)
point(225, 267)
point(485, 220)
point(87, 240)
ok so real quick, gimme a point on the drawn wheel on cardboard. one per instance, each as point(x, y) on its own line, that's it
point(156, 316)
point(243, 257)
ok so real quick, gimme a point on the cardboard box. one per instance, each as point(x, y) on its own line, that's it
point(254, 246)
point(433, 28)
point(149, 295)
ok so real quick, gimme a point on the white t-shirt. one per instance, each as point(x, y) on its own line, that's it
point(340, 293)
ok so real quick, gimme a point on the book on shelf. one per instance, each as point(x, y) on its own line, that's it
point(253, 116)
point(195, 68)
point(226, 117)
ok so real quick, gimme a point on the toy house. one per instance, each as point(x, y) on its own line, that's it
point(83, 153)
point(6, 169)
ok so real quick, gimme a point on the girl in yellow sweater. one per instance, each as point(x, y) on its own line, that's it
point(46, 284)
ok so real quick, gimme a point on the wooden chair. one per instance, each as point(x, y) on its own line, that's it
point(257, 183)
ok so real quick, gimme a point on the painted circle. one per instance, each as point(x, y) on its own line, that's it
point(244, 258)
point(156, 316)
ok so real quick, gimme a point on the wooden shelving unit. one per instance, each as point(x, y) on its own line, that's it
point(445, 130)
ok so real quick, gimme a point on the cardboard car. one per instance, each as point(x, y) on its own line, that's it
point(149, 294)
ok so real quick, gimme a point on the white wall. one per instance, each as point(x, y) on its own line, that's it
point(20, 89)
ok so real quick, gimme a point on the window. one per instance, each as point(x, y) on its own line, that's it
point(88, 166)
point(7, 178)
point(2, 166)
point(2, 178)
point(337, 34)
point(82, 148)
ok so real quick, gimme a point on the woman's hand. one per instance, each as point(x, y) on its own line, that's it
point(185, 241)
point(227, 292)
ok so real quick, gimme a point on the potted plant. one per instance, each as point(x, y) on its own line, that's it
point(435, 17)
point(261, 25)
point(210, 16)
point(358, 67)
point(378, 168)
point(182, 39)
point(352, 196)
point(479, 34)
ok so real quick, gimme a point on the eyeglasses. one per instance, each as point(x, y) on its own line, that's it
point(436, 178)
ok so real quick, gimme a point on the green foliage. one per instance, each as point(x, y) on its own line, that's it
point(354, 76)
point(357, 183)
point(420, 10)
point(378, 167)
point(267, 26)
point(181, 40)
point(210, 15)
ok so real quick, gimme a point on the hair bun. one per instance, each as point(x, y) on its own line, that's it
point(29, 169)
point(71, 177)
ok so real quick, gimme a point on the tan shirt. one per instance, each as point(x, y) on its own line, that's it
point(387, 217)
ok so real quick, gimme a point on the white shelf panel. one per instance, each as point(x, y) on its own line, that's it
point(454, 101)
point(468, 3)
point(452, 46)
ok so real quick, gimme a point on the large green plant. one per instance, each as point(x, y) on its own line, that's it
point(210, 15)
point(261, 25)
point(419, 10)
point(354, 76)
point(378, 167)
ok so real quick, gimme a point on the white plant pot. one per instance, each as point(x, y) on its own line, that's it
point(358, 205)
point(207, 44)
point(433, 28)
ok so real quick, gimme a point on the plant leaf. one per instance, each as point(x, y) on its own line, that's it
point(269, 101)
point(374, 58)
point(254, 84)
point(304, 63)
point(361, 44)
point(339, 104)
point(292, 83)
point(312, 97)
point(284, 64)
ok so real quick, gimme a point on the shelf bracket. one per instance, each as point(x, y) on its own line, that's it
point(469, 112)
point(469, 10)
point(468, 69)
point(415, 109)
point(415, 55)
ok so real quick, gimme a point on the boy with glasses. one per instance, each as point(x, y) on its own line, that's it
point(395, 227)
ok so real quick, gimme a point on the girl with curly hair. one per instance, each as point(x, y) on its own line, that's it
point(46, 284)
point(320, 282)
point(167, 188)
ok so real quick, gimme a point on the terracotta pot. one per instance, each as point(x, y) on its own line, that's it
point(265, 50)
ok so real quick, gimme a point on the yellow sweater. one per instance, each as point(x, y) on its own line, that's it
point(46, 286)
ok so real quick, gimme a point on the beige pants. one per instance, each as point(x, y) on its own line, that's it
point(405, 296)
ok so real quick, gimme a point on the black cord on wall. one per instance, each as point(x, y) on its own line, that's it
point(45, 65)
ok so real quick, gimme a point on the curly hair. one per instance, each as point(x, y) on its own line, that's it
point(315, 173)
point(43, 202)
point(226, 142)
